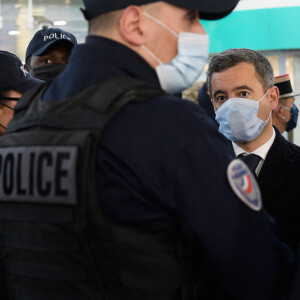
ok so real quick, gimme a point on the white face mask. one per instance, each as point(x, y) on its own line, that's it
point(186, 67)
point(239, 121)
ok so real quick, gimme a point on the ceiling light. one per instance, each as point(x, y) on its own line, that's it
point(59, 23)
point(14, 32)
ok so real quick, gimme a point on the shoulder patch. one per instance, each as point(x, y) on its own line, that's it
point(244, 184)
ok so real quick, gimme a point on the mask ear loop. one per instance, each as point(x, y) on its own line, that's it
point(164, 26)
point(277, 112)
point(266, 122)
point(264, 95)
point(151, 54)
point(160, 23)
point(285, 107)
point(6, 106)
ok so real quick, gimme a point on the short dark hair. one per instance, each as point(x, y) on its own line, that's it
point(104, 21)
point(231, 57)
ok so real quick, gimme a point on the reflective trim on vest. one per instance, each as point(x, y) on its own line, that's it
point(45, 174)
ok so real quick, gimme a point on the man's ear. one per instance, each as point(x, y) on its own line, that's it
point(274, 97)
point(131, 25)
point(278, 111)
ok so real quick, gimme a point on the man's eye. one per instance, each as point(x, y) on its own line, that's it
point(193, 18)
point(244, 94)
point(221, 98)
point(47, 61)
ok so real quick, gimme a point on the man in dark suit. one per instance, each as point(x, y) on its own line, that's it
point(241, 84)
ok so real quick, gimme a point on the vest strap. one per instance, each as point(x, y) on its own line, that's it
point(43, 271)
point(35, 213)
point(29, 294)
point(39, 242)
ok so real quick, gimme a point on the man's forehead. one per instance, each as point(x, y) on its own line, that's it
point(242, 74)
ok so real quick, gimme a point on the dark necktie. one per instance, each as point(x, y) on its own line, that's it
point(251, 160)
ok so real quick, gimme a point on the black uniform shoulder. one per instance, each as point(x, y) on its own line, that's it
point(294, 148)
point(183, 113)
point(290, 149)
point(294, 156)
point(166, 126)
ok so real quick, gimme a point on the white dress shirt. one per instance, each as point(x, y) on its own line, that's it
point(261, 151)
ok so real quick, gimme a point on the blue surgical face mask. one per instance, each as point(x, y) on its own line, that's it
point(186, 67)
point(292, 123)
point(239, 121)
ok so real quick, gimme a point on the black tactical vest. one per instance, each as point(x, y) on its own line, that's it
point(55, 242)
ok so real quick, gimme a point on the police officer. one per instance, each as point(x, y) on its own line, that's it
point(285, 116)
point(14, 81)
point(48, 52)
point(171, 218)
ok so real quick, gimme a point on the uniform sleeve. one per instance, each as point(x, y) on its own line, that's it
point(238, 244)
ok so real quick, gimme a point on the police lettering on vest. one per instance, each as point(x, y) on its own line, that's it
point(38, 174)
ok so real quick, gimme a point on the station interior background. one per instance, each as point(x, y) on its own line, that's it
point(20, 19)
point(269, 26)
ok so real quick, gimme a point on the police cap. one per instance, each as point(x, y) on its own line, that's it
point(13, 76)
point(46, 37)
point(208, 9)
point(284, 85)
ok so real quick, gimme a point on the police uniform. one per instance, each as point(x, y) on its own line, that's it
point(166, 223)
point(134, 196)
